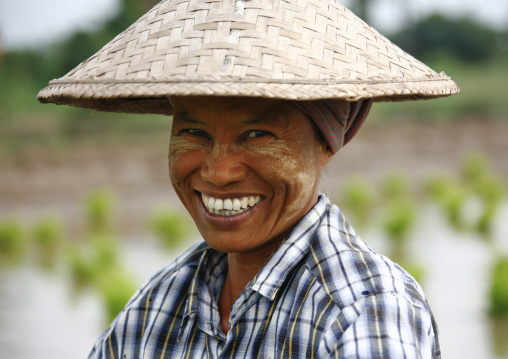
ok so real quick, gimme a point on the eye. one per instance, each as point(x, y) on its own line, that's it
point(257, 134)
point(195, 132)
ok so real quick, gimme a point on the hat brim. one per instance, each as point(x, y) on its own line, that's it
point(152, 97)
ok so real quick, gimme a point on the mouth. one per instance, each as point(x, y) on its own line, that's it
point(229, 206)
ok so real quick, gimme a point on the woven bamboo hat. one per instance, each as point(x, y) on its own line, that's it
point(287, 49)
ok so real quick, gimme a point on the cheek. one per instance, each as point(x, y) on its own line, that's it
point(183, 160)
point(302, 187)
point(302, 190)
point(174, 169)
point(290, 171)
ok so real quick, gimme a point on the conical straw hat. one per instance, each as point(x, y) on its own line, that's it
point(287, 49)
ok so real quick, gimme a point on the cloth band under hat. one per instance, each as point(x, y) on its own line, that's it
point(337, 120)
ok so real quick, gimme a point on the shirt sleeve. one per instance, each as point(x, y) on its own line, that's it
point(383, 325)
point(97, 351)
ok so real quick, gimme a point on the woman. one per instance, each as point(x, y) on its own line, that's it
point(262, 94)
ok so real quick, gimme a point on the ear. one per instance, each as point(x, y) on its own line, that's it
point(325, 155)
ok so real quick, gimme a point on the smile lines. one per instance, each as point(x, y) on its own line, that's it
point(229, 206)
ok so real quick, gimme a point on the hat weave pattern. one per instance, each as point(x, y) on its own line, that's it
point(287, 49)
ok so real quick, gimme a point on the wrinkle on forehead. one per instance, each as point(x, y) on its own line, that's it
point(254, 110)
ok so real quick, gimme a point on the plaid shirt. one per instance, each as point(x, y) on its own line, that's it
point(323, 294)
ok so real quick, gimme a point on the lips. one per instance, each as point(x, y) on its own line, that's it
point(229, 206)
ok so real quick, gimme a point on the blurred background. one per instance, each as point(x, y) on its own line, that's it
point(87, 212)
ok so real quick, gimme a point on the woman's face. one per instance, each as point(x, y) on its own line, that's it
point(247, 170)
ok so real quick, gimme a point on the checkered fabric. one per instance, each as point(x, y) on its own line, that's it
point(338, 120)
point(323, 294)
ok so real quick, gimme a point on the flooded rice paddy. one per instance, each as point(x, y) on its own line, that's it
point(41, 318)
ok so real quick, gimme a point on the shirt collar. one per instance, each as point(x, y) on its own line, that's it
point(204, 293)
point(269, 279)
point(193, 296)
point(273, 274)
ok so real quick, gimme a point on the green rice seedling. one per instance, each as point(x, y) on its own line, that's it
point(399, 220)
point(89, 260)
point(437, 186)
point(487, 217)
point(498, 292)
point(473, 169)
point(99, 208)
point(491, 191)
point(12, 242)
point(105, 252)
point(395, 186)
point(451, 195)
point(489, 187)
point(95, 264)
point(47, 238)
point(452, 204)
point(499, 333)
point(116, 287)
point(358, 198)
point(170, 227)
point(81, 267)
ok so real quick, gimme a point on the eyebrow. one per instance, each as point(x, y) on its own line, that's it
point(185, 117)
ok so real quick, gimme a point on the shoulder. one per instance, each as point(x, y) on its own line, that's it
point(382, 310)
point(161, 294)
point(183, 267)
point(349, 270)
point(189, 259)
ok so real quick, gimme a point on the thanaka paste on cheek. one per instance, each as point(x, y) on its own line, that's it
point(282, 165)
point(177, 148)
point(290, 168)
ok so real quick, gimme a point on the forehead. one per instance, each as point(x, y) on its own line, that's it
point(199, 108)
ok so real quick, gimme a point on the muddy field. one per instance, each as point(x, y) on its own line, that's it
point(38, 181)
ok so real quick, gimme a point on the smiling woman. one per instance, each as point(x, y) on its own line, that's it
point(222, 150)
point(280, 272)
point(260, 155)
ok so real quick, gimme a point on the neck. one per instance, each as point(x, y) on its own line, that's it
point(242, 268)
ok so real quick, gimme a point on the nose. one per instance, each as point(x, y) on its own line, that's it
point(223, 166)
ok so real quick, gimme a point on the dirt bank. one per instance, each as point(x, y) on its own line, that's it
point(42, 180)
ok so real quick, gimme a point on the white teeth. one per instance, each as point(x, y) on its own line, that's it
point(228, 206)
point(218, 204)
point(245, 202)
point(237, 204)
